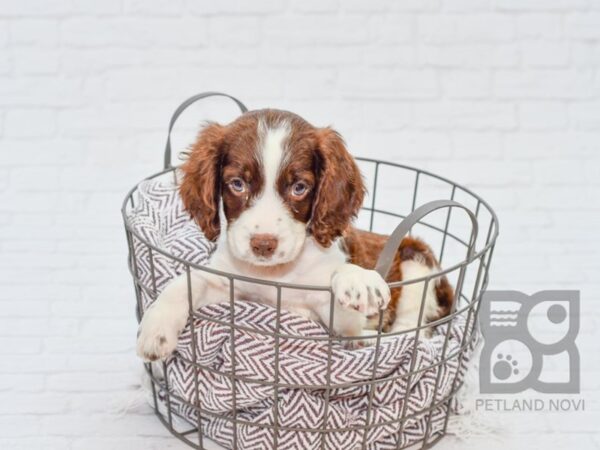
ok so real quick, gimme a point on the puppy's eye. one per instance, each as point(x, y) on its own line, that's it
point(299, 189)
point(237, 185)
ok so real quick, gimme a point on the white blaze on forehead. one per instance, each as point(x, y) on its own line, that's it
point(268, 213)
point(272, 144)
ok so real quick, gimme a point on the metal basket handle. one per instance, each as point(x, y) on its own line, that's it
point(183, 107)
point(386, 257)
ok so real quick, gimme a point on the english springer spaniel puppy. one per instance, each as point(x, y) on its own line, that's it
point(278, 195)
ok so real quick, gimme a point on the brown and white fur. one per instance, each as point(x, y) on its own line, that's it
point(278, 195)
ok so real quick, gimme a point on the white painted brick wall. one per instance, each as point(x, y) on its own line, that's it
point(503, 95)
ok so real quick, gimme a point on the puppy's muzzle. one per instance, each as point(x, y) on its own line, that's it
point(263, 245)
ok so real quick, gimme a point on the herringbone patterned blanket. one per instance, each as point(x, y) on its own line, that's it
point(301, 405)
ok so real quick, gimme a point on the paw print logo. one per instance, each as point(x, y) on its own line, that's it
point(521, 334)
point(505, 367)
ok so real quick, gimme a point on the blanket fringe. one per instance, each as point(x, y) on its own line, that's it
point(141, 394)
point(466, 422)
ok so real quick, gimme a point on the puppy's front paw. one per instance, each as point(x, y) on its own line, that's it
point(360, 289)
point(157, 337)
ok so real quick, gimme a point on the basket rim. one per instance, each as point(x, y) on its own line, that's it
point(491, 239)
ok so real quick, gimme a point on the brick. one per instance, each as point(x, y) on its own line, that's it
point(109, 345)
point(78, 62)
point(585, 115)
point(386, 115)
point(503, 173)
point(533, 145)
point(36, 403)
point(437, 29)
point(561, 84)
point(561, 172)
point(258, 85)
point(36, 62)
point(485, 27)
point(38, 327)
point(77, 309)
point(471, 115)
point(78, 123)
point(557, 197)
point(160, 8)
point(315, 6)
point(416, 5)
point(30, 123)
point(234, 31)
point(545, 54)
point(385, 84)
point(38, 32)
point(483, 145)
point(21, 346)
point(583, 25)
point(235, 7)
point(348, 116)
point(542, 115)
point(27, 202)
point(391, 56)
point(86, 382)
point(314, 83)
point(465, 6)
point(464, 56)
point(109, 327)
point(309, 30)
point(33, 179)
point(104, 363)
point(93, 8)
point(539, 5)
point(22, 426)
point(460, 84)
point(481, 28)
point(364, 7)
point(26, 308)
point(4, 179)
point(9, 8)
point(41, 294)
point(39, 91)
point(4, 33)
point(86, 179)
point(19, 151)
point(392, 28)
point(26, 443)
point(540, 25)
point(6, 66)
point(322, 55)
point(85, 32)
point(406, 145)
point(585, 54)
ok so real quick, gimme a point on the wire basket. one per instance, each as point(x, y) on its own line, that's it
point(424, 204)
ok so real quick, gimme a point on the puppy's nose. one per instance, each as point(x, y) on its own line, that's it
point(263, 244)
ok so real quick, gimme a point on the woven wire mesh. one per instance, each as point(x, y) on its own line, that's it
point(395, 191)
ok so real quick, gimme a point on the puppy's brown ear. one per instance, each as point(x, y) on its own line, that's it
point(340, 189)
point(200, 187)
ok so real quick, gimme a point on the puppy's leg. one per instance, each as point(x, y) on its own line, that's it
point(409, 303)
point(167, 316)
point(346, 322)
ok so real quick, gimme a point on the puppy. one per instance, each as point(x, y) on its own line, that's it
point(278, 195)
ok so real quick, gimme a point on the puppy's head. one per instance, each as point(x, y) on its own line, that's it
point(279, 179)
